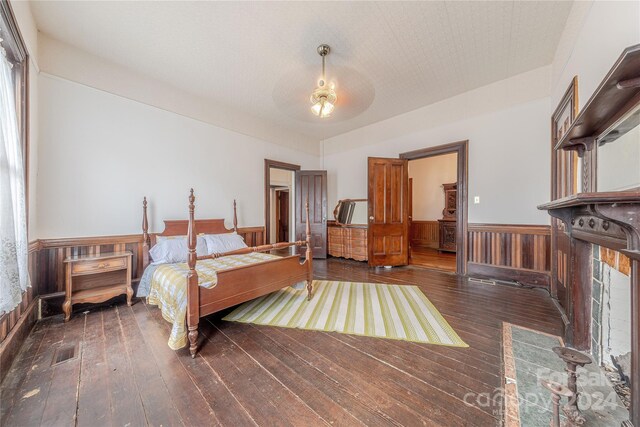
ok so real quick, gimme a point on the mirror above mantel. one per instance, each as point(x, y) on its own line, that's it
point(618, 155)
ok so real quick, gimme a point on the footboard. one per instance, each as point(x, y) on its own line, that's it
point(240, 284)
point(245, 283)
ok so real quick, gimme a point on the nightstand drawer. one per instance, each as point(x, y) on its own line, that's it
point(95, 266)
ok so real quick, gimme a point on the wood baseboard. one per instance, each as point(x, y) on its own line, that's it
point(521, 275)
point(11, 345)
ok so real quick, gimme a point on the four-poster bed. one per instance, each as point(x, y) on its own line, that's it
point(234, 285)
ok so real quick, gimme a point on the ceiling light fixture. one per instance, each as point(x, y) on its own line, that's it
point(323, 98)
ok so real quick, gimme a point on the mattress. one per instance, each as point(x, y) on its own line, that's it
point(165, 285)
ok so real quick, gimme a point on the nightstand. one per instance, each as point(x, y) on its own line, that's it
point(96, 278)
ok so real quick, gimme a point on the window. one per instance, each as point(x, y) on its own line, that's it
point(14, 276)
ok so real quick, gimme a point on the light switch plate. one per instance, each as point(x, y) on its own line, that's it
point(476, 200)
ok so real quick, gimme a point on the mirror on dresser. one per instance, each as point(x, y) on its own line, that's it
point(347, 235)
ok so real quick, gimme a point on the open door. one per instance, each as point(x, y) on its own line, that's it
point(312, 186)
point(388, 235)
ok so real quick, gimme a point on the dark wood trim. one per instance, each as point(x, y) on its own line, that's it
point(89, 241)
point(520, 275)
point(10, 346)
point(608, 103)
point(461, 148)
point(541, 230)
point(268, 164)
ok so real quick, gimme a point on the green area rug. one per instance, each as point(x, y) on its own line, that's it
point(373, 310)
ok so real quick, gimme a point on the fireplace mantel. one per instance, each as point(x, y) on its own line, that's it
point(609, 219)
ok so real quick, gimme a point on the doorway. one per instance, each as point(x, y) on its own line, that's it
point(280, 210)
point(432, 205)
point(286, 190)
point(438, 206)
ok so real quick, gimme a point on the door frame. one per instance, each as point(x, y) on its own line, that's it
point(461, 148)
point(268, 164)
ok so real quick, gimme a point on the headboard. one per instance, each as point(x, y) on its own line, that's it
point(180, 227)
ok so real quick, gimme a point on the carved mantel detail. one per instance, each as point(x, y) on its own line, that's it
point(610, 220)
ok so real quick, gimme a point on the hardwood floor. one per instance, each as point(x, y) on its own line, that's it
point(432, 258)
point(259, 375)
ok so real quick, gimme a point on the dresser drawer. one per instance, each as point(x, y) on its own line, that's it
point(358, 233)
point(94, 266)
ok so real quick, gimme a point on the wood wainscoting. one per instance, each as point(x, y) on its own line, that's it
point(510, 252)
point(53, 252)
point(424, 234)
point(46, 270)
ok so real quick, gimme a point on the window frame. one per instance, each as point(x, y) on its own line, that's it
point(17, 53)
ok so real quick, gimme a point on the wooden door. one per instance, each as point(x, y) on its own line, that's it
point(282, 215)
point(312, 186)
point(388, 235)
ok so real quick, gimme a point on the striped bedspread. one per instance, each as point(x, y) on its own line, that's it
point(166, 287)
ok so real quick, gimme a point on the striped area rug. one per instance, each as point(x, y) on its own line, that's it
point(373, 310)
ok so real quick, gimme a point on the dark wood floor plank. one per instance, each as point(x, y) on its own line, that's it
point(375, 405)
point(224, 404)
point(187, 399)
point(364, 400)
point(449, 381)
point(20, 369)
point(32, 393)
point(126, 403)
point(258, 375)
point(61, 405)
point(94, 400)
point(158, 405)
point(424, 397)
point(266, 400)
point(332, 412)
point(359, 405)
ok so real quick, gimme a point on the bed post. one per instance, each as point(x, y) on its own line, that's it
point(193, 293)
point(235, 217)
point(145, 235)
point(309, 255)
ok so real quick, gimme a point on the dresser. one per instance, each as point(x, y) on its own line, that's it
point(96, 278)
point(347, 241)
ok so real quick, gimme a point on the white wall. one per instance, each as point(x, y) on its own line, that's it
point(71, 63)
point(428, 176)
point(594, 38)
point(101, 153)
point(507, 125)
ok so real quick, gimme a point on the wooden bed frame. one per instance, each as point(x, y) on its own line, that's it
point(235, 285)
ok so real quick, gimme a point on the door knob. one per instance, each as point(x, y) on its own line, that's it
point(371, 218)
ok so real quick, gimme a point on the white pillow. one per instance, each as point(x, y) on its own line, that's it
point(172, 250)
point(220, 243)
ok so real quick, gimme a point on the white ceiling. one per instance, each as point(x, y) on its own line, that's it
point(259, 58)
